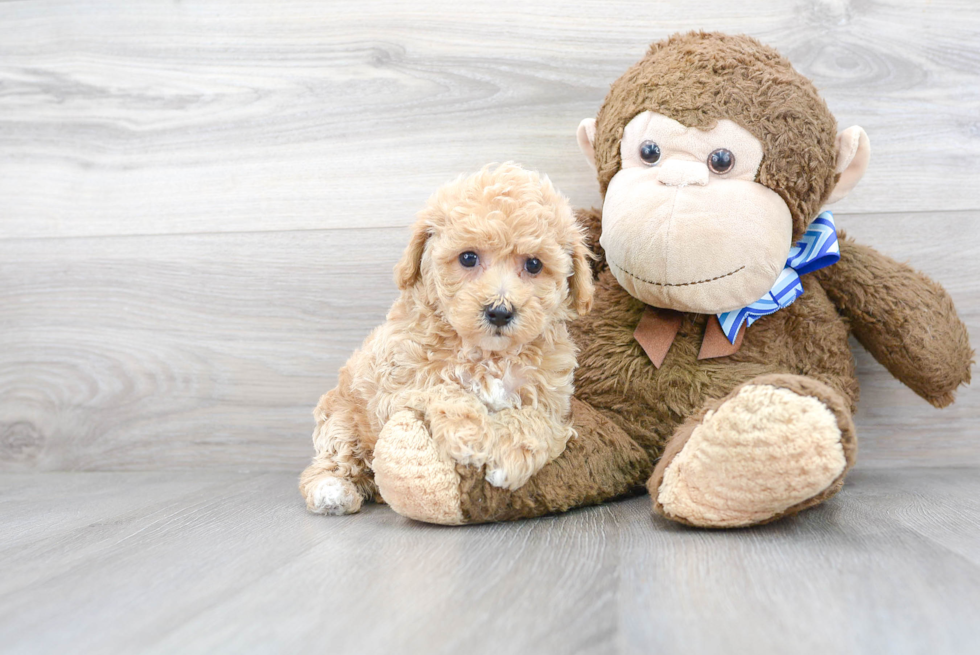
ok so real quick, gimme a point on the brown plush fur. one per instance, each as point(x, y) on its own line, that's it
point(905, 320)
point(617, 378)
point(601, 464)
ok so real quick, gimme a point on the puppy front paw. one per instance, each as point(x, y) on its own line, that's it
point(497, 477)
point(333, 496)
point(460, 431)
point(511, 468)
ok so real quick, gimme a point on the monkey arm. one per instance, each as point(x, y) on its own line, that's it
point(904, 319)
point(591, 222)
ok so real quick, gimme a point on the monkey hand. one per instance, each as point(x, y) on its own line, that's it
point(904, 319)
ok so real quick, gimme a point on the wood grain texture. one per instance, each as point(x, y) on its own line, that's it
point(232, 563)
point(200, 206)
point(140, 117)
point(209, 351)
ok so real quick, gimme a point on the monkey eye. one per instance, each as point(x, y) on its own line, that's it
point(469, 259)
point(533, 265)
point(721, 161)
point(650, 153)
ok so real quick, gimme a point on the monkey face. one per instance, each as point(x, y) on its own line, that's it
point(685, 225)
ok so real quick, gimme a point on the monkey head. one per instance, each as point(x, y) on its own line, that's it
point(713, 155)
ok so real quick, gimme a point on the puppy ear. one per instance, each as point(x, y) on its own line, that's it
point(409, 267)
point(580, 285)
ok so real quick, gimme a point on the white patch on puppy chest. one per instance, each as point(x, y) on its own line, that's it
point(497, 393)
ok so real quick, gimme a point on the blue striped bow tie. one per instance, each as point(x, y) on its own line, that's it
point(818, 248)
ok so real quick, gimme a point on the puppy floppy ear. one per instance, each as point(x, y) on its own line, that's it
point(580, 285)
point(409, 267)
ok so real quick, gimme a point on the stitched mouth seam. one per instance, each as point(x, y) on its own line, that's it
point(681, 284)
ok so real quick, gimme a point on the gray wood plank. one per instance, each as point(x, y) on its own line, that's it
point(847, 577)
point(209, 351)
point(84, 503)
point(889, 565)
point(147, 117)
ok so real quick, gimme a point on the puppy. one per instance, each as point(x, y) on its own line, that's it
point(475, 345)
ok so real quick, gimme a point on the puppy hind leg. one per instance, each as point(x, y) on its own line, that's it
point(339, 479)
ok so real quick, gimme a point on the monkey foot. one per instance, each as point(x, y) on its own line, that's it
point(773, 447)
point(411, 476)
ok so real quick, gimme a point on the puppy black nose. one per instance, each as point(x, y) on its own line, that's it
point(499, 315)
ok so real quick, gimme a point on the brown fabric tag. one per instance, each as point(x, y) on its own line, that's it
point(656, 331)
point(716, 344)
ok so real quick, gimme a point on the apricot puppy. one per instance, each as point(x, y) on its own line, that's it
point(475, 346)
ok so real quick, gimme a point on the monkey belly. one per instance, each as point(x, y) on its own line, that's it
point(616, 377)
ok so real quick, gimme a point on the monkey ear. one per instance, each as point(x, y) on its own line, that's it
point(409, 267)
point(586, 139)
point(853, 155)
point(580, 285)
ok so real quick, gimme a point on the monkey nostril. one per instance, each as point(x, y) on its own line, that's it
point(682, 173)
point(499, 315)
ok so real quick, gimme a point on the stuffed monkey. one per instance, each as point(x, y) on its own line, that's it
point(717, 349)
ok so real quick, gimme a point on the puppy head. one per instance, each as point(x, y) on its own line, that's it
point(499, 256)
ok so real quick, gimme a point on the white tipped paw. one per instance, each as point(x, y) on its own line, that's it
point(514, 475)
point(497, 477)
point(333, 496)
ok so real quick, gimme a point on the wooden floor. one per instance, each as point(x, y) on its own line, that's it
point(232, 563)
point(200, 207)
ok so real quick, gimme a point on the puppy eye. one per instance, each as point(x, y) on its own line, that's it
point(469, 259)
point(533, 265)
point(721, 161)
point(650, 153)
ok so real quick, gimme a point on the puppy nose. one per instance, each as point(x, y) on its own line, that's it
point(499, 315)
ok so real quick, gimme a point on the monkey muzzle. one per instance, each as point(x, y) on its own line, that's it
point(677, 240)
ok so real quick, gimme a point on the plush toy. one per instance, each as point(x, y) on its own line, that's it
point(724, 299)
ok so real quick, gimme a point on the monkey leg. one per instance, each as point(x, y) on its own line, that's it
point(599, 464)
point(774, 446)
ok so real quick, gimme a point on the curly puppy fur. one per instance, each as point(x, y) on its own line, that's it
point(491, 396)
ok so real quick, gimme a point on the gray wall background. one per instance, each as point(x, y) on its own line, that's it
point(200, 203)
